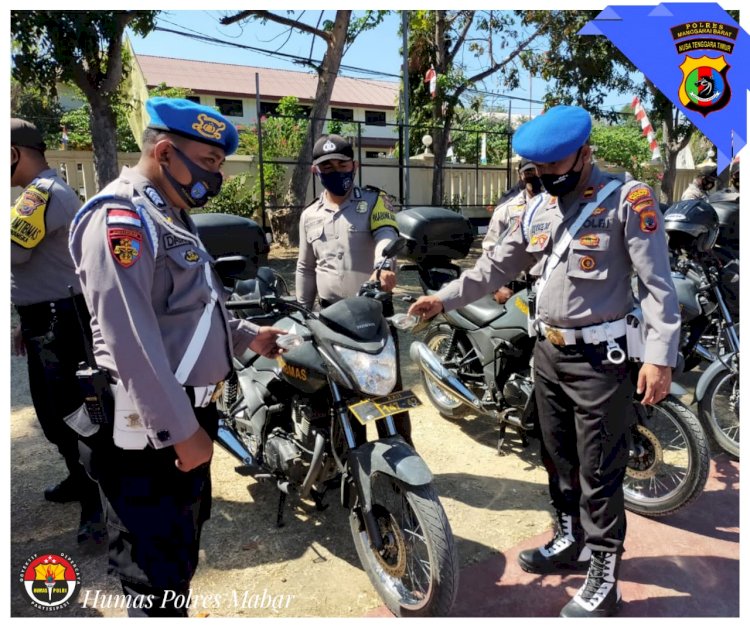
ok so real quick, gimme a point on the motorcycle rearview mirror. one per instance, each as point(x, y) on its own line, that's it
point(231, 267)
point(394, 247)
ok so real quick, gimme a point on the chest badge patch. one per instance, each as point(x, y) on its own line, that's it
point(598, 211)
point(362, 207)
point(590, 239)
point(587, 263)
point(540, 239)
point(125, 245)
point(588, 192)
point(649, 222)
point(192, 257)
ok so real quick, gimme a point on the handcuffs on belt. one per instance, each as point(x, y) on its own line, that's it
point(615, 354)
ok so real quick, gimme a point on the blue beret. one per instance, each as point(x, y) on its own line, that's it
point(193, 121)
point(554, 135)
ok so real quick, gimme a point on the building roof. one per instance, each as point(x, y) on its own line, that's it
point(239, 81)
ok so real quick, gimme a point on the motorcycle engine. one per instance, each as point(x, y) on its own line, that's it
point(517, 390)
point(283, 455)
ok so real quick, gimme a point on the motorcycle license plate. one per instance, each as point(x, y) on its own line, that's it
point(381, 407)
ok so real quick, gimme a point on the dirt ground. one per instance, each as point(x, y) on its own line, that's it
point(309, 568)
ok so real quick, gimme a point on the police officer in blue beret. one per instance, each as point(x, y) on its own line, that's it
point(165, 339)
point(583, 237)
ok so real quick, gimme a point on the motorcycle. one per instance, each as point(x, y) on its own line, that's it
point(486, 347)
point(299, 421)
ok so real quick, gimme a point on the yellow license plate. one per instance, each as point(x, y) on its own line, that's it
point(381, 407)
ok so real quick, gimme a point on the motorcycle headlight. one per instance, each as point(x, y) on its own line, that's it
point(375, 374)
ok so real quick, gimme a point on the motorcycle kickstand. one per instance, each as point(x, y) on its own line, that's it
point(317, 497)
point(524, 438)
point(280, 511)
point(501, 439)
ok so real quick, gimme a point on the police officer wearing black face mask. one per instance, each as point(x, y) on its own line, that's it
point(341, 238)
point(165, 339)
point(49, 333)
point(702, 184)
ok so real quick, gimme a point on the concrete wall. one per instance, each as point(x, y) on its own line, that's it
point(472, 186)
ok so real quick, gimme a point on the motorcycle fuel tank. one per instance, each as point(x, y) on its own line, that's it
point(513, 322)
point(687, 296)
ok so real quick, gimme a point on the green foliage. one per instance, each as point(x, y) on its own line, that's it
point(466, 136)
point(162, 89)
point(35, 105)
point(626, 147)
point(236, 197)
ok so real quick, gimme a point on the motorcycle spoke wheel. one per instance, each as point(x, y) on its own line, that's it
point(668, 462)
point(720, 411)
point(416, 570)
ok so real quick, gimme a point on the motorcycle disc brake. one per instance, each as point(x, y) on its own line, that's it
point(644, 466)
point(392, 557)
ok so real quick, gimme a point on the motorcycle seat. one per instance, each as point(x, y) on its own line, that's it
point(483, 311)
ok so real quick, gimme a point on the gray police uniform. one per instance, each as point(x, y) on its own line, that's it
point(504, 215)
point(693, 192)
point(584, 400)
point(339, 246)
point(147, 281)
point(41, 270)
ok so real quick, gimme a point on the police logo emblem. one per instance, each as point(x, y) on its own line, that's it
point(362, 207)
point(329, 146)
point(704, 86)
point(555, 336)
point(649, 222)
point(587, 263)
point(50, 582)
point(192, 257)
point(134, 420)
point(30, 201)
point(125, 245)
point(209, 127)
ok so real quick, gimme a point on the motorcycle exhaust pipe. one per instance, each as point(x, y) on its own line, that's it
point(228, 438)
point(430, 365)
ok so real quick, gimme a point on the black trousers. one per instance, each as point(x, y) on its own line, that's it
point(155, 514)
point(54, 348)
point(585, 413)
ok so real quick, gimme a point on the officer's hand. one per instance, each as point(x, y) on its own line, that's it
point(194, 451)
point(19, 348)
point(265, 342)
point(387, 279)
point(655, 380)
point(426, 307)
point(503, 294)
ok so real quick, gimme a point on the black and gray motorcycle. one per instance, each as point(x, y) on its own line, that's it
point(486, 347)
point(709, 328)
point(300, 421)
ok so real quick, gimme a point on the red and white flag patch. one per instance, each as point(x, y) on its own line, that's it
point(123, 216)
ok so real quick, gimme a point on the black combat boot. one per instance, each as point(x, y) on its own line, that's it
point(566, 551)
point(600, 595)
point(66, 491)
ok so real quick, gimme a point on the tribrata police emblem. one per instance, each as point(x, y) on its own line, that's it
point(704, 86)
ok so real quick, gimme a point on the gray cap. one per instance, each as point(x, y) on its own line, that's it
point(23, 133)
point(332, 147)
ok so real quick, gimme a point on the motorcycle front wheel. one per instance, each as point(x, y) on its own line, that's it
point(669, 459)
point(416, 571)
point(720, 411)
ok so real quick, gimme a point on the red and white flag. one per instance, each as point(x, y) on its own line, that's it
point(431, 78)
point(648, 130)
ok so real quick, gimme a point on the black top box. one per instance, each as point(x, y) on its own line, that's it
point(226, 235)
point(434, 232)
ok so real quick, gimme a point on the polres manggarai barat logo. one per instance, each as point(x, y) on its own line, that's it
point(704, 87)
point(50, 581)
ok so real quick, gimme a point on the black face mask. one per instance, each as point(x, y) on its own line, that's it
point(561, 184)
point(203, 183)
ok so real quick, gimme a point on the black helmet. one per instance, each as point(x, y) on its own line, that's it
point(691, 225)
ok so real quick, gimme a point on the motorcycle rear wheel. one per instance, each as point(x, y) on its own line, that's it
point(448, 406)
point(669, 459)
point(416, 572)
point(720, 411)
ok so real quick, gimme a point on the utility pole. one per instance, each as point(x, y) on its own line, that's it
point(405, 83)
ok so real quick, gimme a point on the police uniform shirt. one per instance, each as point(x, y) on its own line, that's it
point(341, 245)
point(693, 192)
point(504, 216)
point(591, 284)
point(41, 268)
point(143, 277)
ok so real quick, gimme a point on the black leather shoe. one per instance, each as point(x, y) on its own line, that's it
point(565, 552)
point(92, 530)
point(599, 596)
point(66, 491)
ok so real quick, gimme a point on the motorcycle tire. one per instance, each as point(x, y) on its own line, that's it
point(724, 428)
point(416, 572)
point(448, 406)
point(669, 459)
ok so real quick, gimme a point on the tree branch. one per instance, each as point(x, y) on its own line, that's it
point(267, 15)
point(462, 36)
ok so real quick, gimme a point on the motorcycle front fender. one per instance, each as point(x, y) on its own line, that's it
point(717, 366)
point(390, 456)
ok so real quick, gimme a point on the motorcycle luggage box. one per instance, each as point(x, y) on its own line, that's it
point(434, 232)
point(226, 235)
point(727, 205)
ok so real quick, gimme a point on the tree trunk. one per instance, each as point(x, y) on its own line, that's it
point(329, 68)
point(104, 138)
